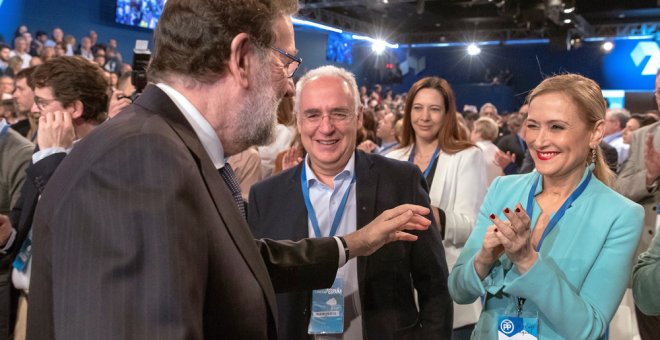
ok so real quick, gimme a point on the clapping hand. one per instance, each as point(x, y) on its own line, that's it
point(515, 235)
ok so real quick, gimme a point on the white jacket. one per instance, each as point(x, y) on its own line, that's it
point(458, 188)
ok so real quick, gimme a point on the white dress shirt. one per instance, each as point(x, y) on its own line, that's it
point(325, 201)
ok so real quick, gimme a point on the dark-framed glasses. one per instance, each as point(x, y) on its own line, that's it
point(41, 103)
point(293, 64)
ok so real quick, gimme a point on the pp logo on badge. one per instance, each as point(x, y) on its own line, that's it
point(506, 326)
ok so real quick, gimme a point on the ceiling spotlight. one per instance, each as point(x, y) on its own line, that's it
point(568, 21)
point(385, 1)
point(378, 46)
point(473, 49)
point(607, 46)
point(568, 10)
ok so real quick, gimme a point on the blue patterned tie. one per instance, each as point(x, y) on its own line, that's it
point(228, 175)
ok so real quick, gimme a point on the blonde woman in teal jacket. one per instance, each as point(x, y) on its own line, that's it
point(554, 246)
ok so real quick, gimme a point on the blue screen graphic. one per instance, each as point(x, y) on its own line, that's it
point(631, 65)
point(139, 13)
point(340, 48)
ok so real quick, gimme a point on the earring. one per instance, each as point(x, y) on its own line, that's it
point(593, 155)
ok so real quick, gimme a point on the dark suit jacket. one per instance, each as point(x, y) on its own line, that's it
point(36, 177)
point(387, 277)
point(138, 237)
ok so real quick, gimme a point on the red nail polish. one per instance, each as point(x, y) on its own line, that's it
point(495, 230)
point(517, 210)
point(506, 210)
point(492, 216)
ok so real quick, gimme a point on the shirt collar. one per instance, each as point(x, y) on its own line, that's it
point(347, 172)
point(610, 138)
point(207, 136)
point(3, 122)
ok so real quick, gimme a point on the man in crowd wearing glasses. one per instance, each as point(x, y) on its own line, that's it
point(70, 95)
point(333, 192)
point(141, 231)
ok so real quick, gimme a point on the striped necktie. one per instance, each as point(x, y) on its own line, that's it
point(229, 177)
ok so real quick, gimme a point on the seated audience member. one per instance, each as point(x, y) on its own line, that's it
point(484, 133)
point(85, 50)
point(615, 122)
point(21, 49)
point(514, 143)
point(282, 137)
point(247, 169)
point(6, 85)
point(454, 170)
point(386, 134)
point(36, 61)
point(5, 51)
point(638, 180)
point(304, 202)
point(530, 255)
point(70, 94)
point(15, 153)
point(489, 110)
point(635, 122)
point(24, 97)
point(125, 85)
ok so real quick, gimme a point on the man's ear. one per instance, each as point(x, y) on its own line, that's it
point(238, 66)
point(77, 109)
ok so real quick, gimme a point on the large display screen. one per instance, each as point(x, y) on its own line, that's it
point(139, 13)
point(340, 48)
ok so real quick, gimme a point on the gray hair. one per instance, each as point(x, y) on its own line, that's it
point(622, 115)
point(328, 71)
point(483, 107)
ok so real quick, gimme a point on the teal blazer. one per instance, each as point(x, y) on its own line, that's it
point(582, 270)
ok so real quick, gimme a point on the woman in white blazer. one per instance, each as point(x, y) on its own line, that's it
point(453, 167)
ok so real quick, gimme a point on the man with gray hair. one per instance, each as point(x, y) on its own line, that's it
point(615, 122)
point(335, 191)
point(141, 233)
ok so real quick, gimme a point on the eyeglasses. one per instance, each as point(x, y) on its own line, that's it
point(314, 117)
point(41, 103)
point(292, 65)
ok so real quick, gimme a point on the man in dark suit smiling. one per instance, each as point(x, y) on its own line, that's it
point(333, 192)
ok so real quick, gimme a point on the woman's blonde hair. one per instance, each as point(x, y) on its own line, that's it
point(588, 98)
point(486, 128)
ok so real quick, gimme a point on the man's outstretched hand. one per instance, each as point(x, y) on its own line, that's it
point(388, 227)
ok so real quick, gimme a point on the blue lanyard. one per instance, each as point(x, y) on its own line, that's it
point(310, 209)
point(387, 147)
point(562, 210)
point(411, 159)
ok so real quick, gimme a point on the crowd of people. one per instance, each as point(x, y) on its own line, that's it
point(125, 216)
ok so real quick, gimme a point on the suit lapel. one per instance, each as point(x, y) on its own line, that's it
point(299, 228)
point(365, 186)
point(158, 102)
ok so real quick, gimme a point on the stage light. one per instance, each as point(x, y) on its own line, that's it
point(567, 21)
point(378, 46)
point(473, 49)
point(607, 46)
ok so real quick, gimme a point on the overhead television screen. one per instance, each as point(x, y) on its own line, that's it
point(139, 13)
point(340, 48)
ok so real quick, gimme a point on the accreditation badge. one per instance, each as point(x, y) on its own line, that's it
point(517, 328)
point(328, 310)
